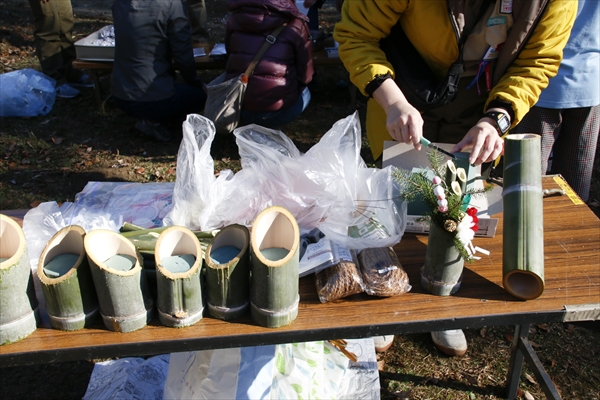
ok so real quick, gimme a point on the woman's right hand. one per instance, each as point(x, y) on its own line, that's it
point(404, 123)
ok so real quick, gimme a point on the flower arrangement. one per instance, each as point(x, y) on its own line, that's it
point(443, 190)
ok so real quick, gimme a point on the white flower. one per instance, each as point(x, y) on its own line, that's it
point(443, 202)
point(464, 233)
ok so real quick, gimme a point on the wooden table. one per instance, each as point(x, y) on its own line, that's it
point(97, 68)
point(572, 292)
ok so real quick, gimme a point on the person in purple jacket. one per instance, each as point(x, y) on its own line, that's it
point(277, 92)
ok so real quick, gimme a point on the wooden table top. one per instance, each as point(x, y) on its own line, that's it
point(572, 292)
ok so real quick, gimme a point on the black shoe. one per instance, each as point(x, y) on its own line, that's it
point(154, 129)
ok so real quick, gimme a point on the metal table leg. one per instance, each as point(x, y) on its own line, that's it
point(522, 349)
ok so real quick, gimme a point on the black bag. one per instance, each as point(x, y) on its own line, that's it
point(416, 80)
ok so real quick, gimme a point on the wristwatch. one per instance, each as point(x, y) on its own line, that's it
point(501, 120)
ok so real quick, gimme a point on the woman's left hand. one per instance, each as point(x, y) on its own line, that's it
point(486, 141)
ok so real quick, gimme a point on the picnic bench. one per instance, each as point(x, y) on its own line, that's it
point(572, 293)
point(99, 68)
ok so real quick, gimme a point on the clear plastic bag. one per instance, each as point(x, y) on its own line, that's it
point(328, 187)
point(26, 93)
point(382, 272)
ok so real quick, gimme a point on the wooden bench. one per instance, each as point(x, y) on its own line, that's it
point(98, 68)
point(572, 282)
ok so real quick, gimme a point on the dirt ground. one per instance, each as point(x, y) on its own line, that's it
point(51, 158)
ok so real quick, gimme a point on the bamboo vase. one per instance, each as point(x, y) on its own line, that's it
point(71, 300)
point(123, 295)
point(274, 277)
point(228, 273)
point(443, 269)
point(523, 229)
point(18, 305)
point(178, 258)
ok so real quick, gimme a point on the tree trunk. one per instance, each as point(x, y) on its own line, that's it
point(442, 273)
point(123, 295)
point(523, 234)
point(274, 279)
point(179, 294)
point(228, 278)
point(18, 304)
point(71, 299)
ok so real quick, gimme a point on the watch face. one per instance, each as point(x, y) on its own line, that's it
point(503, 123)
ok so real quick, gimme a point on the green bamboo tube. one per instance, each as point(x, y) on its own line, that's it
point(472, 172)
point(450, 173)
point(18, 305)
point(443, 269)
point(274, 294)
point(178, 258)
point(71, 300)
point(123, 295)
point(228, 275)
point(523, 233)
point(461, 178)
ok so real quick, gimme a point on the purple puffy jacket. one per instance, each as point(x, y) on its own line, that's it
point(286, 68)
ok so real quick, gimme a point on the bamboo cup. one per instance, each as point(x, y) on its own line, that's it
point(71, 299)
point(274, 280)
point(18, 305)
point(123, 295)
point(523, 235)
point(228, 279)
point(179, 287)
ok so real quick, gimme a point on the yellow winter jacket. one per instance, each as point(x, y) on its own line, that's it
point(434, 26)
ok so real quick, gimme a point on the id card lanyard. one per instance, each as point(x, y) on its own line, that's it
point(485, 65)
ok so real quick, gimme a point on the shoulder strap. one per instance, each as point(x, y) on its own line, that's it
point(268, 41)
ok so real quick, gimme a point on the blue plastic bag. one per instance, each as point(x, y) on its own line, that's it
point(26, 93)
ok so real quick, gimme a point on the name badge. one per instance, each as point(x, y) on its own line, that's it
point(506, 7)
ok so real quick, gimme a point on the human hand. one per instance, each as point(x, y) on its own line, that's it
point(486, 141)
point(404, 123)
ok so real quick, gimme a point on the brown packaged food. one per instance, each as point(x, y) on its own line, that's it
point(339, 280)
point(382, 273)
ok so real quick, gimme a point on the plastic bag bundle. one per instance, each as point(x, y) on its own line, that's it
point(328, 187)
point(26, 93)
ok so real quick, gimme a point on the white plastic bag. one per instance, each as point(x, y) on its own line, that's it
point(100, 205)
point(26, 93)
point(328, 187)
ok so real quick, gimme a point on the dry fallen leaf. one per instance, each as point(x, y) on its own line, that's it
point(528, 395)
point(35, 204)
point(509, 336)
point(543, 327)
point(483, 332)
point(530, 378)
point(140, 170)
point(57, 139)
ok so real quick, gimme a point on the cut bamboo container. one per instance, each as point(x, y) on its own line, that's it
point(123, 296)
point(461, 178)
point(179, 290)
point(443, 269)
point(228, 280)
point(18, 305)
point(523, 234)
point(71, 300)
point(450, 173)
point(274, 280)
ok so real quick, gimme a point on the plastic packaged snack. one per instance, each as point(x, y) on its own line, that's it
point(382, 273)
point(342, 279)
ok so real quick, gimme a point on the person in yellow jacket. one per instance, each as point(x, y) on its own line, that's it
point(527, 36)
point(510, 50)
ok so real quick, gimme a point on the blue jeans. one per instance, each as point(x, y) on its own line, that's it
point(188, 99)
point(275, 119)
